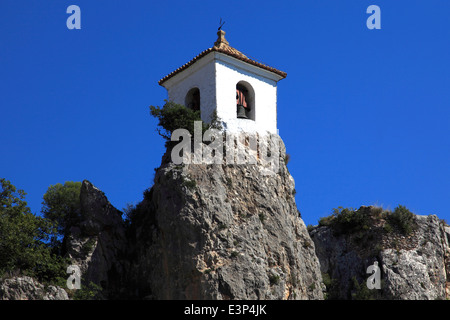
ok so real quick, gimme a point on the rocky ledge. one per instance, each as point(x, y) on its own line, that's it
point(413, 266)
point(26, 288)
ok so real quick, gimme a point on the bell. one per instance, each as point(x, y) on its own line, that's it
point(241, 112)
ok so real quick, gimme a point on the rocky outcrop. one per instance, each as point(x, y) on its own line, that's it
point(97, 244)
point(418, 272)
point(228, 231)
point(222, 232)
point(26, 288)
point(413, 266)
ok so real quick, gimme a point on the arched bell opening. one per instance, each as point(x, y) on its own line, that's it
point(192, 100)
point(245, 101)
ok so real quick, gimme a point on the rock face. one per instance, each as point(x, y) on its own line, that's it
point(419, 272)
point(413, 266)
point(26, 288)
point(228, 231)
point(97, 244)
point(223, 232)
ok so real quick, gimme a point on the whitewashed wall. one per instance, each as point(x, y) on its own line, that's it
point(200, 75)
point(216, 76)
point(229, 72)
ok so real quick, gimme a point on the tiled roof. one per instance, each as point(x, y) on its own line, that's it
point(222, 46)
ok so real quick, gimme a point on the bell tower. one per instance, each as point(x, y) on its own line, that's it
point(221, 79)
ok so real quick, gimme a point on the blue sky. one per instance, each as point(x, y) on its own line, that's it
point(364, 114)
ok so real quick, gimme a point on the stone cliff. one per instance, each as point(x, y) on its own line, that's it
point(413, 266)
point(26, 288)
point(223, 232)
point(97, 244)
point(233, 231)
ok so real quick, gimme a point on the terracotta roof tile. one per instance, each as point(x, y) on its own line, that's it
point(222, 46)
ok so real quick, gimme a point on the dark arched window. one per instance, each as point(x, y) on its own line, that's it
point(192, 99)
point(245, 101)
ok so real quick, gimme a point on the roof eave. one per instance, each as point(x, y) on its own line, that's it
point(280, 73)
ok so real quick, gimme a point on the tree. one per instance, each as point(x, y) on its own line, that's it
point(24, 238)
point(62, 205)
point(174, 116)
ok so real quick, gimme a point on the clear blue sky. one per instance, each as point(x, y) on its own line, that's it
point(365, 114)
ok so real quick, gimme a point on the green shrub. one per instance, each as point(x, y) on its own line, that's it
point(274, 279)
point(174, 116)
point(190, 184)
point(262, 217)
point(25, 239)
point(91, 291)
point(326, 221)
point(388, 228)
point(222, 226)
point(62, 206)
point(332, 287)
point(362, 292)
point(147, 193)
point(345, 220)
point(403, 219)
point(349, 219)
point(88, 246)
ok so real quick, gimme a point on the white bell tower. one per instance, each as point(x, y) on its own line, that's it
point(242, 91)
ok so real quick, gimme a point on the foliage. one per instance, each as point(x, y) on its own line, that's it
point(262, 217)
point(174, 116)
point(403, 219)
point(388, 228)
point(148, 193)
point(91, 291)
point(88, 246)
point(332, 287)
point(325, 221)
point(62, 205)
point(274, 279)
point(215, 122)
point(362, 292)
point(344, 220)
point(24, 238)
point(190, 184)
point(128, 213)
